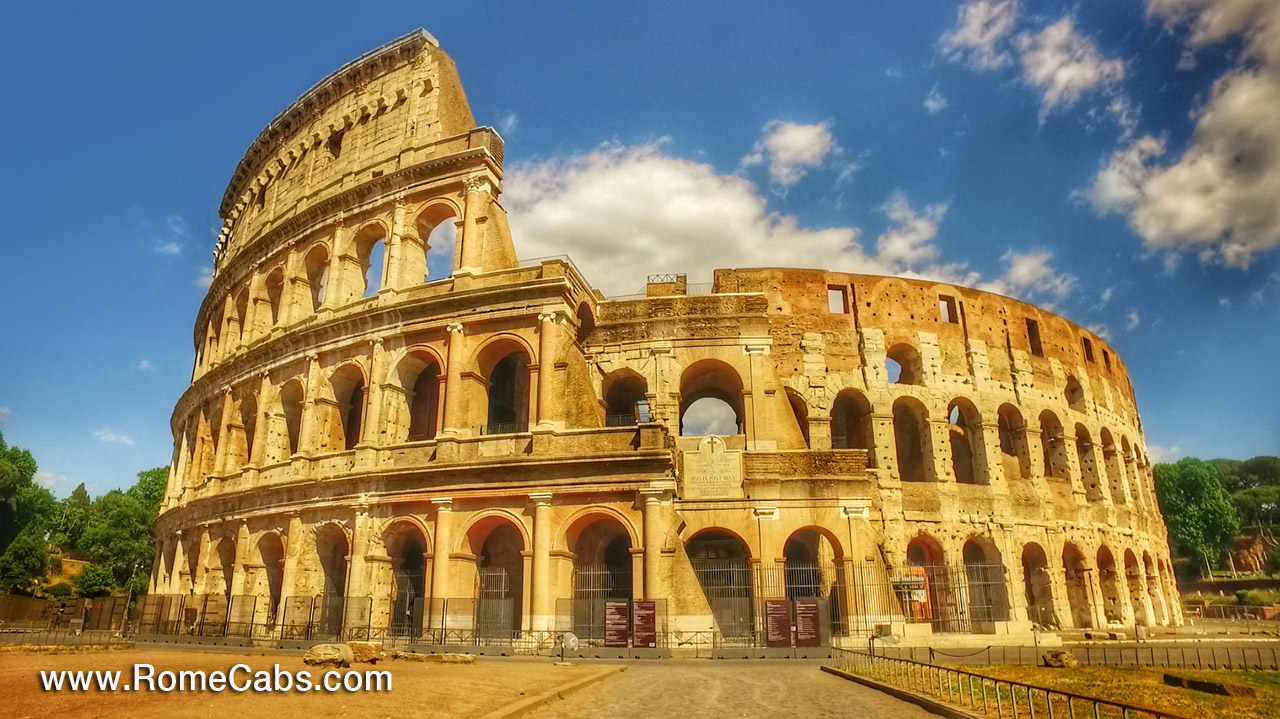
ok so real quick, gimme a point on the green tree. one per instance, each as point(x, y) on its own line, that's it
point(75, 517)
point(1197, 509)
point(17, 479)
point(95, 580)
point(118, 535)
point(1258, 506)
point(1262, 471)
point(150, 488)
point(25, 562)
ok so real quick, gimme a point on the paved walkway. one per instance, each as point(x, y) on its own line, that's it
point(710, 689)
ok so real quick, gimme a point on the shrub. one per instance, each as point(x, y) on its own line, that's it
point(95, 580)
point(59, 590)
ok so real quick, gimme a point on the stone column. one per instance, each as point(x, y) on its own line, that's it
point(336, 284)
point(541, 616)
point(357, 573)
point(238, 570)
point(224, 433)
point(372, 428)
point(440, 560)
point(307, 429)
point(259, 309)
point(292, 549)
point(477, 197)
point(393, 280)
point(453, 389)
point(174, 583)
point(653, 500)
point(264, 420)
point(548, 331)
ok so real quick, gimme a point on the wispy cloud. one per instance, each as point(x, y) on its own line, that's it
point(935, 101)
point(981, 27)
point(5, 414)
point(205, 279)
point(144, 365)
point(110, 437)
point(1132, 320)
point(507, 121)
point(169, 248)
point(50, 481)
point(1159, 453)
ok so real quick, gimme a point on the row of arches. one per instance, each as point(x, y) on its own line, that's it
point(352, 265)
point(1098, 590)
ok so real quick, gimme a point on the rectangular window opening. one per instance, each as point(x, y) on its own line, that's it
point(1033, 337)
point(837, 300)
point(1088, 350)
point(947, 309)
point(1106, 360)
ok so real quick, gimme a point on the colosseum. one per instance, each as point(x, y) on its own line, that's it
point(397, 429)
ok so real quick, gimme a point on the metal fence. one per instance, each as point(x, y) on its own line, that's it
point(855, 600)
point(1215, 655)
point(983, 694)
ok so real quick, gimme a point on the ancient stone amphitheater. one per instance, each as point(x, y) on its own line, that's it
point(398, 429)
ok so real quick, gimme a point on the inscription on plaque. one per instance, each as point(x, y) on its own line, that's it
point(713, 471)
point(777, 623)
point(644, 624)
point(808, 629)
point(616, 624)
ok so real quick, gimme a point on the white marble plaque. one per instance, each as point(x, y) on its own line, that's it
point(712, 472)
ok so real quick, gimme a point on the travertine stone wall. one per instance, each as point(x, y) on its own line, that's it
point(357, 427)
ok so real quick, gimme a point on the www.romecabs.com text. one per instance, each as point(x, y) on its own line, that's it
point(239, 678)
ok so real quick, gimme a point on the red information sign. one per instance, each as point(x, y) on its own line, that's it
point(777, 623)
point(644, 624)
point(808, 627)
point(616, 624)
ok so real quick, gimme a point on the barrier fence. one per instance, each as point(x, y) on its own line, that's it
point(1215, 655)
point(980, 693)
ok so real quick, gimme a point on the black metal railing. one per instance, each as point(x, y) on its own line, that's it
point(988, 695)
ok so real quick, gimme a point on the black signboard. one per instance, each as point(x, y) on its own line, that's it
point(808, 628)
point(616, 624)
point(644, 624)
point(777, 623)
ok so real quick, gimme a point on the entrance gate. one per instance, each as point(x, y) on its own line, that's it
point(406, 607)
point(495, 618)
point(593, 586)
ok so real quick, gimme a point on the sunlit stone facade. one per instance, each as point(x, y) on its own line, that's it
point(360, 427)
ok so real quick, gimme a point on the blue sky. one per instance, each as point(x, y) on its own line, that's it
point(1113, 160)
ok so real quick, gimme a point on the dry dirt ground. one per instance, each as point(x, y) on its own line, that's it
point(708, 689)
point(1146, 687)
point(419, 690)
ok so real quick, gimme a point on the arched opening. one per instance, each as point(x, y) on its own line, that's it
point(419, 377)
point(626, 399)
point(910, 434)
point(964, 431)
point(586, 324)
point(500, 579)
point(406, 547)
point(271, 555)
point(930, 597)
point(370, 246)
point(1109, 580)
point(711, 400)
point(984, 573)
point(1153, 591)
point(316, 265)
point(1115, 471)
point(242, 315)
point(1131, 471)
point(811, 571)
point(292, 398)
point(800, 411)
point(347, 415)
point(722, 564)
point(602, 572)
point(902, 365)
point(331, 558)
point(1074, 394)
point(508, 384)
point(214, 337)
point(1014, 455)
point(851, 422)
point(438, 227)
point(249, 423)
point(227, 565)
point(1078, 586)
point(1054, 445)
point(275, 294)
point(1037, 586)
point(1088, 455)
point(1136, 583)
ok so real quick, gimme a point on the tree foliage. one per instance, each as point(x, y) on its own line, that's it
point(22, 501)
point(1196, 507)
point(95, 580)
point(25, 562)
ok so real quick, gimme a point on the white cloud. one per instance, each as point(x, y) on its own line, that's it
point(507, 122)
point(910, 242)
point(1224, 302)
point(1100, 330)
point(1172, 453)
point(709, 416)
point(169, 248)
point(935, 101)
point(981, 26)
point(49, 480)
point(106, 435)
point(144, 366)
point(1106, 295)
point(5, 414)
point(1132, 320)
point(205, 280)
point(1063, 65)
point(1030, 275)
point(624, 212)
point(1218, 200)
point(791, 149)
